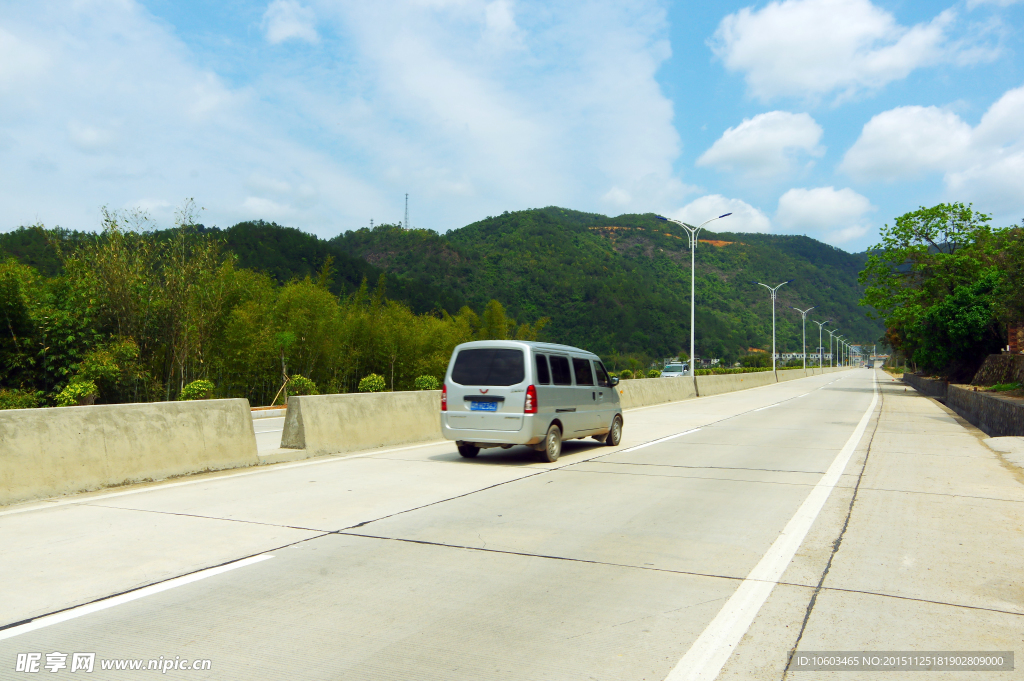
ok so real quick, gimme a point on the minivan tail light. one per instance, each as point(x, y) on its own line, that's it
point(531, 401)
point(444, 397)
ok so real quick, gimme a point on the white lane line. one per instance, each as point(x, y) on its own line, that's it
point(712, 649)
point(272, 430)
point(654, 442)
point(770, 406)
point(90, 608)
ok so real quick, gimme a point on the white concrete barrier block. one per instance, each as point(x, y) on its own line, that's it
point(63, 450)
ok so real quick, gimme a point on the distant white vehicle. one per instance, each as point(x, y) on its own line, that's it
point(673, 370)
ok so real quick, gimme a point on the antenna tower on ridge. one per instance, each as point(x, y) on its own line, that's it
point(407, 211)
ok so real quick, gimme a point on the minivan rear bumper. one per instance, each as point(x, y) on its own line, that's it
point(526, 435)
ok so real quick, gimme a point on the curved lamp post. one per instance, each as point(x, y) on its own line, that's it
point(820, 353)
point(773, 292)
point(831, 357)
point(839, 348)
point(803, 313)
point(692, 233)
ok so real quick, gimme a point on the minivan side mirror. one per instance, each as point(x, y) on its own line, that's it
point(615, 380)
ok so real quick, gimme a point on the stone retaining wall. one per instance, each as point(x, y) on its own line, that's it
point(996, 415)
point(932, 387)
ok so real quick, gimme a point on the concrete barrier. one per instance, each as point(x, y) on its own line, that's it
point(727, 383)
point(643, 392)
point(63, 450)
point(334, 424)
point(790, 374)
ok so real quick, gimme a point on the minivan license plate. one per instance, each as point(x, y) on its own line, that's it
point(476, 405)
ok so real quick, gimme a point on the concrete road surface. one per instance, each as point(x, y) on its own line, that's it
point(268, 433)
point(833, 513)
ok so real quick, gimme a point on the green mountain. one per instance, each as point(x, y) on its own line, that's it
point(622, 285)
point(612, 285)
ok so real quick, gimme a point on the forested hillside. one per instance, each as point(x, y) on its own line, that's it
point(622, 285)
point(619, 286)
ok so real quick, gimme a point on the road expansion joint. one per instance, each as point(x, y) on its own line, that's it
point(689, 573)
point(542, 556)
point(722, 468)
point(207, 517)
point(320, 535)
point(943, 494)
point(703, 477)
point(880, 594)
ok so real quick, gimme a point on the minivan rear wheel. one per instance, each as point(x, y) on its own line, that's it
point(469, 451)
point(614, 436)
point(553, 444)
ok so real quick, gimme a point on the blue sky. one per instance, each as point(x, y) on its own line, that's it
point(819, 117)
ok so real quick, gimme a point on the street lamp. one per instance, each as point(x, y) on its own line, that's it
point(831, 356)
point(803, 313)
point(773, 292)
point(839, 350)
point(820, 353)
point(692, 233)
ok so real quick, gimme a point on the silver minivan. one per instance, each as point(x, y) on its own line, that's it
point(505, 393)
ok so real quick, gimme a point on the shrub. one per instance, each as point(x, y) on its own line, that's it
point(1005, 387)
point(374, 383)
point(197, 390)
point(756, 359)
point(77, 393)
point(625, 373)
point(426, 383)
point(19, 399)
point(300, 385)
point(653, 373)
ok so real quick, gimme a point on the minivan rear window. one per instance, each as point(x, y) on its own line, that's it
point(543, 375)
point(488, 366)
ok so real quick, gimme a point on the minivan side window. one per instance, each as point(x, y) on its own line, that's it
point(602, 376)
point(489, 366)
point(543, 375)
point(560, 370)
point(584, 375)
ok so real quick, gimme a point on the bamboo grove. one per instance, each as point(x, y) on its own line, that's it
point(141, 315)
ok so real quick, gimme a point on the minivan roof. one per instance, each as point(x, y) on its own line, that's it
point(536, 345)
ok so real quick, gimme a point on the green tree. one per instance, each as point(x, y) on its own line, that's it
point(925, 257)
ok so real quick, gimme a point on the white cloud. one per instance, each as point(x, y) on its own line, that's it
point(905, 142)
point(984, 163)
point(418, 96)
point(766, 145)
point(814, 48)
point(1001, 3)
point(834, 216)
point(744, 218)
point(287, 19)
